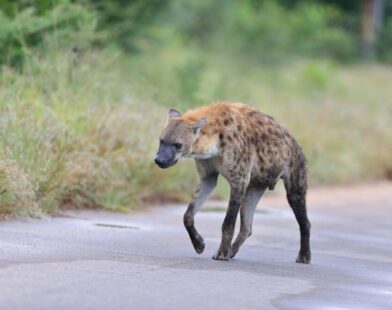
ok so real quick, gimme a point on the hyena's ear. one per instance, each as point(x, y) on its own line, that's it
point(173, 113)
point(199, 124)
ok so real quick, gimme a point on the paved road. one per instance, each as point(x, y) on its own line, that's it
point(97, 260)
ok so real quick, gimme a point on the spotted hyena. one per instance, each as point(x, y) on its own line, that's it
point(252, 151)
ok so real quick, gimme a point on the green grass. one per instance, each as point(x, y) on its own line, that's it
point(81, 130)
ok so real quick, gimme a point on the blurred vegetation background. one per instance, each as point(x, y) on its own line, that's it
point(85, 86)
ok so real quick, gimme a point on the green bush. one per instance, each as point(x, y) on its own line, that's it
point(189, 77)
point(385, 42)
point(65, 24)
point(271, 32)
point(127, 23)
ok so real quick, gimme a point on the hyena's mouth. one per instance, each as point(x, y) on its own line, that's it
point(165, 165)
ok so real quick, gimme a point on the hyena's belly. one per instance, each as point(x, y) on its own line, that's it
point(268, 174)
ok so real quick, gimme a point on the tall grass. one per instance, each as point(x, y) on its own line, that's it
point(73, 135)
point(80, 129)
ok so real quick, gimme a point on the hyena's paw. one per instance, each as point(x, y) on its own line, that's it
point(198, 244)
point(222, 255)
point(233, 253)
point(303, 258)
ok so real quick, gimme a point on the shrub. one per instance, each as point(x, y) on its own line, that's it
point(385, 42)
point(17, 193)
point(270, 32)
point(66, 24)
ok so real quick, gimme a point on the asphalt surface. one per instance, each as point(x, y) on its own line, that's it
point(98, 260)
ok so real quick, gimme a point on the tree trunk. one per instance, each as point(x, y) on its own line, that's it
point(371, 22)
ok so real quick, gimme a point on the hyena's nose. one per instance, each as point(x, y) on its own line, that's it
point(159, 162)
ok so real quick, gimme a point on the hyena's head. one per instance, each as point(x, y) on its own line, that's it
point(177, 138)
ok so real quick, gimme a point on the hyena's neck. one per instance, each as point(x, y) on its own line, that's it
point(206, 145)
point(205, 154)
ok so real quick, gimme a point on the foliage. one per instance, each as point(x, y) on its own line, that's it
point(385, 43)
point(268, 31)
point(308, 29)
point(127, 22)
point(66, 23)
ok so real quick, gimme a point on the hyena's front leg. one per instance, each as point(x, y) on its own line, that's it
point(236, 197)
point(203, 190)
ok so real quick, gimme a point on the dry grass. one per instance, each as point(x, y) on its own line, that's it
point(17, 195)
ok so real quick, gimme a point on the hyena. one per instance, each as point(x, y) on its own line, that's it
point(252, 151)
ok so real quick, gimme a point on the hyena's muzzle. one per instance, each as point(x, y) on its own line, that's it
point(166, 156)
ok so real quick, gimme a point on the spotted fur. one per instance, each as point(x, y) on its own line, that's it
point(252, 151)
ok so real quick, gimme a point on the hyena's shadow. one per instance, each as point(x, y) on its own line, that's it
point(256, 266)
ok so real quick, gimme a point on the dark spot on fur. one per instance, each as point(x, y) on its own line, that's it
point(239, 127)
point(264, 136)
point(301, 164)
point(226, 122)
point(270, 131)
point(222, 144)
point(221, 136)
point(260, 123)
point(251, 113)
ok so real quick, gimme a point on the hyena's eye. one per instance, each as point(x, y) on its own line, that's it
point(178, 146)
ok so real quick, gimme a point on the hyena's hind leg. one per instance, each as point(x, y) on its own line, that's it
point(296, 186)
point(247, 211)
